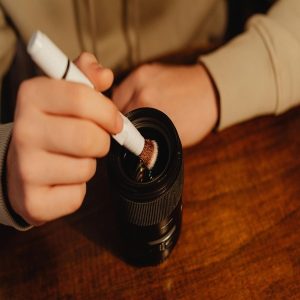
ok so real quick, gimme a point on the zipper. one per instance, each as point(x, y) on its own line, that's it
point(93, 24)
point(132, 25)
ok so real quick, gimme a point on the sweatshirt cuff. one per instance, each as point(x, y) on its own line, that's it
point(7, 215)
point(243, 75)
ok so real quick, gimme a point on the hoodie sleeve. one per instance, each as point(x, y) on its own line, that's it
point(258, 72)
point(7, 50)
point(7, 216)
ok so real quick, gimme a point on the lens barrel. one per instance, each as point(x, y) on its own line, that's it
point(148, 203)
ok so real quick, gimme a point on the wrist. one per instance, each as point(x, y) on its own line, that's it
point(211, 94)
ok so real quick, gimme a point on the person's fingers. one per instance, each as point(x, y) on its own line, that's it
point(131, 105)
point(124, 93)
point(57, 201)
point(132, 87)
point(43, 168)
point(75, 137)
point(102, 78)
point(143, 97)
point(71, 99)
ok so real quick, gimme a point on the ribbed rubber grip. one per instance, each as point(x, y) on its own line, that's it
point(151, 213)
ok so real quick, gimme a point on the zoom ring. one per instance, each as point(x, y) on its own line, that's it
point(151, 213)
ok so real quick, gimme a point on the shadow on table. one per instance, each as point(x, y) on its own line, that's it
point(96, 219)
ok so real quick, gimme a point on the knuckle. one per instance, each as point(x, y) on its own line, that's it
point(25, 90)
point(139, 73)
point(142, 71)
point(144, 97)
point(32, 167)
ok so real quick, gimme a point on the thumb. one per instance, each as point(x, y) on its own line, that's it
point(102, 78)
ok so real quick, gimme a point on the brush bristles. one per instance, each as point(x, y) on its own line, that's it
point(149, 153)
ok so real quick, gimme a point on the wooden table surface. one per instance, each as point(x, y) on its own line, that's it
point(240, 236)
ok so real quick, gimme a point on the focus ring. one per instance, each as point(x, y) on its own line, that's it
point(150, 213)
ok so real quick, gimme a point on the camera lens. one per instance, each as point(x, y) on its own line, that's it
point(149, 203)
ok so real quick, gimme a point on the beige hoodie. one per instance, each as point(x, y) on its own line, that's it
point(256, 73)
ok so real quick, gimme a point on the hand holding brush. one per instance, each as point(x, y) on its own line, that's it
point(56, 65)
point(60, 127)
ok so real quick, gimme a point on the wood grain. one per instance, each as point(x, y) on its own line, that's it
point(240, 237)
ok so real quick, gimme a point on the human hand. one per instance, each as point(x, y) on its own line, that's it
point(185, 93)
point(59, 129)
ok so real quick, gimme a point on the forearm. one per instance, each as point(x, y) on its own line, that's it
point(258, 72)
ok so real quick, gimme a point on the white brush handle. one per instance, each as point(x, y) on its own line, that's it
point(57, 65)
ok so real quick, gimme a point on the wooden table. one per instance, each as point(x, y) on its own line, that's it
point(240, 237)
